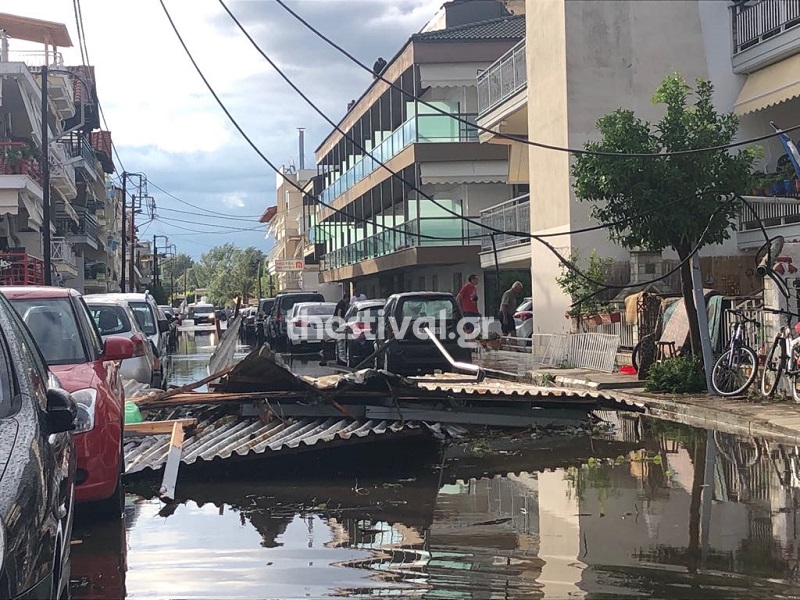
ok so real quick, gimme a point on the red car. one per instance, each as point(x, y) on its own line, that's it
point(88, 368)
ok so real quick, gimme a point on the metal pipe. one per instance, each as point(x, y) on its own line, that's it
point(301, 141)
point(48, 275)
point(479, 372)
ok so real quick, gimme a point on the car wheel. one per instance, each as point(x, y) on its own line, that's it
point(348, 360)
point(113, 506)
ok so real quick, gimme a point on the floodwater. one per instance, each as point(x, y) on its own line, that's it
point(643, 508)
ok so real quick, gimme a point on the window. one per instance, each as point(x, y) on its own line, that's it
point(144, 315)
point(416, 308)
point(435, 283)
point(422, 283)
point(317, 310)
point(94, 343)
point(53, 324)
point(458, 281)
point(110, 320)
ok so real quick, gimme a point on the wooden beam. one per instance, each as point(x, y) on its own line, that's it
point(170, 480)
point(157, 427)
point(146, 400)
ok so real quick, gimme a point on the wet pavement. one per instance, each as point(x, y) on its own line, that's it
point(640, 508)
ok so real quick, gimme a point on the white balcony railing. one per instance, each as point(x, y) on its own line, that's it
point(37, 58)
point(503, 78)
point(62, 251)
point(757, 21)
point(512, 215)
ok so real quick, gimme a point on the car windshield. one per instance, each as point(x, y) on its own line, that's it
point(415, 308)
point(53, 325)
point(317, 310)
point(203, 310)
point(110, 319)
point(526, 305)
point(371, 313)
point(144, 315)
point(288, 302)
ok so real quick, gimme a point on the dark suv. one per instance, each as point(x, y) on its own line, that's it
point(276, 322)
point(403, 318)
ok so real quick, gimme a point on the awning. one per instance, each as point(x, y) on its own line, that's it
point(34, 209)
point(486, 171)
point(9, 202)
point(769, 86)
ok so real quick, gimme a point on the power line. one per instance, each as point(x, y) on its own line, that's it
point(188, 212)
point(519, 139)
point(216, 231)
point(195, 206)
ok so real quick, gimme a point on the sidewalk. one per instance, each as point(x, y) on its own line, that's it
point(734, 415)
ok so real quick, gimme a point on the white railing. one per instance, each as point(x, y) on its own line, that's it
point(503, 78)
point(512, 215)
point(593, 351)
point(771, 214)
point(37, 58)
point(756, 21)
point(61, 251)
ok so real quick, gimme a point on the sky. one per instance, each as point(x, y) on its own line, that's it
point(165, 124)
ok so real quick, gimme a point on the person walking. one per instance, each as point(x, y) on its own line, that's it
point(341, 307)
point(508, 303)
point(467, 299)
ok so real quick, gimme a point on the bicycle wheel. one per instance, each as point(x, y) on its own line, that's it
point(773, 369)
point(734, 371)
point(794, 369)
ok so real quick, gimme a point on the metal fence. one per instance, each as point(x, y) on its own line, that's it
point(503, 78)
point(754, 22)
point(594, 351)
point(512, 215)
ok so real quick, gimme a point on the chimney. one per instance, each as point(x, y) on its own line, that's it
point(301, 142)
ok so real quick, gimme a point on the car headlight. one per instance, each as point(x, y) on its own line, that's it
point(86, 401)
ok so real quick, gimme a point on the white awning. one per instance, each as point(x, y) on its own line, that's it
point(488, 171)
point(9, 202)
point(34, 209)
point(768, 86)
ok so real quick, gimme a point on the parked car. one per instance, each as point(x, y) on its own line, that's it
point(155, 326)
point(37, 468)
point(114, 317)
point(523, 319)
point(173, 322)
point(409, 354)
point(308, 323)
point(276, 323)
point(355, 340)
point(88, 368)
point(171, 312)
point(202, 313)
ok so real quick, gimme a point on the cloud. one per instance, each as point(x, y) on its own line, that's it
point(165, 123)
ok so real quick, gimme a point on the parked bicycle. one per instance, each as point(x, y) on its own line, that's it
point(737, 368)
point(783, 357)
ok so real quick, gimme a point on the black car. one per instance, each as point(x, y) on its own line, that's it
point(276, 322)
point(355, 339)
point(410, 353)
point(37, 468)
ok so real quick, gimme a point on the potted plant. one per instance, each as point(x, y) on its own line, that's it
point(586, 307)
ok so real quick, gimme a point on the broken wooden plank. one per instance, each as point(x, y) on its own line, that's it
point(170, 480)
point(157, 427)
point(146, 400)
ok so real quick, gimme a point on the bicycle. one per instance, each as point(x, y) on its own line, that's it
point(782, 358)
point(737, 368)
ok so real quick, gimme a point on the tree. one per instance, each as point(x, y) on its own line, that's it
point(227, 272)
point(696, 191)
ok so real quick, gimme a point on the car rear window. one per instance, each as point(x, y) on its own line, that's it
point(369, 313)
point(266, 306)
point(202, 310)
point(288, 302)
point(415, 308)
point(110, 320)
point(52, 323)
point(318, 310)
point(144, 315)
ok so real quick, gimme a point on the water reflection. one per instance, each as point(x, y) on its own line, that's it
point(655, 509)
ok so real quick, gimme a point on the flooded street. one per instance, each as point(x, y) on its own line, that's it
point(639, 508)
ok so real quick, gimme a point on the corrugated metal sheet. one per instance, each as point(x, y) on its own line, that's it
point(219, 435)
point(505, 389)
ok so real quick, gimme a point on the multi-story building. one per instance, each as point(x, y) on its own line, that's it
point(582, 60)
point(82, 249)
point(372, 223)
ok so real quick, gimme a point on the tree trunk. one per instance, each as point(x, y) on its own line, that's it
point(688, 299)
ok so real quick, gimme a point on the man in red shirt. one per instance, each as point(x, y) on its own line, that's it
point(467, 299)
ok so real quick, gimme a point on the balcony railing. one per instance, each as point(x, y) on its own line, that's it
point(755, 22)
point(506, 76)
point(460, 233)
point(61, 251)
point(15, 161)
point(20, 268)
point(37, 58)
point(86, 225)
point(421, 128)
point(78, 145)
point(513, 215)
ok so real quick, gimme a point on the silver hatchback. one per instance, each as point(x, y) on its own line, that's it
point(115, 318)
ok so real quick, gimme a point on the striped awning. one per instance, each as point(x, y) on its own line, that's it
point(769, 86)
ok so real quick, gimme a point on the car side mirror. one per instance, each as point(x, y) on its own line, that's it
point(61, 410)
point(163, 326)
point(117, 348)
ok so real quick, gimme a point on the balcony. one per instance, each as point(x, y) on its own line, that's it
point(20, 268)
point(15, 160)
point(83, 232)
point(504, 78)
point(79, 147)
point(63, 255)
point(387, 242)
point(780, 216)
point(512, 251)
point(764, 32)
point(428, 128)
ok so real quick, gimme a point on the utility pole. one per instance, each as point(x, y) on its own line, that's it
point(131, 280)
point(124, 220)
point(155, 262)
point(702, 321)
point(259, 278)
point(48, 275)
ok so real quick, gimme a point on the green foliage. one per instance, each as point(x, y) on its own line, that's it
point(576, 287)
point(620, 187)
point(157, 290)
point(681, 375)
point(227, 272)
